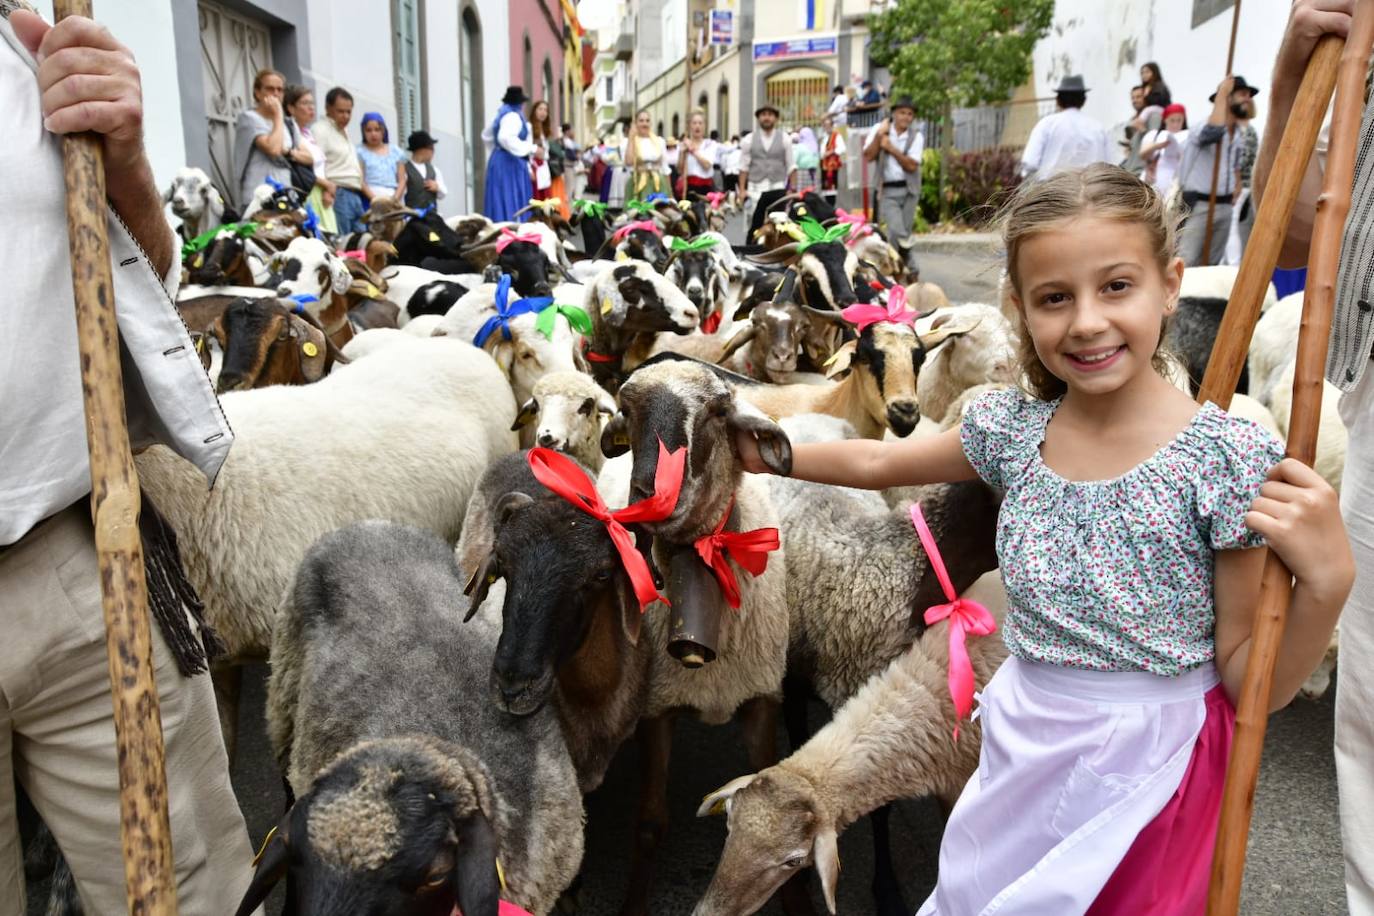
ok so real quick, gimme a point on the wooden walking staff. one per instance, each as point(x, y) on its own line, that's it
point(144, 830)
point(1233, 337)
point(1216, 156)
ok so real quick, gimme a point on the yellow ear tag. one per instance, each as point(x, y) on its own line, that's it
point(434, 236)
point(262, 850)
point(607, 306)
point(621, 256)
point(200, 344)
point(621, 439)
point(501, 876)
point(309, 348)
point(373, 292)
point(200, 259)
point(831, 361)
point(801, 211)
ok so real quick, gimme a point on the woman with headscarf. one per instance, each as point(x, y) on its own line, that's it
point(510, 145)
point(384, 165)
point(808, 157)
point(646, 155)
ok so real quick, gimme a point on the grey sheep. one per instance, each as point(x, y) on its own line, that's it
point(371, 663)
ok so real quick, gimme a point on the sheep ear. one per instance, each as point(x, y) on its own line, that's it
point(946, 327)
point(844, 356)
point(167, 195)
point(272, 862)
point(478, 881)
point(528, 411)
point(615, 438)
point(627, 604)
point(825, 854)
point(338, 272)
point(480, 583)
point(774, 447)
point(717, 801)
point(312, 365)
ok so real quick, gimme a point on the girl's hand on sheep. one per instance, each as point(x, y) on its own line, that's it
point(1299, 515)
point(748, 448)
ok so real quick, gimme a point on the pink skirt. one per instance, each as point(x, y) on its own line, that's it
point(1168, 868)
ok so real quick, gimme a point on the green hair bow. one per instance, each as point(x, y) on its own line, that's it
point(577, 317)
point(643, 208)
point(202, 241)
point(593, 208)
point(818, 234)
point(701, 244)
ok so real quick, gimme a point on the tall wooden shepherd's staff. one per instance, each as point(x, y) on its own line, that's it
point(144, 830)
point(1223, 371)
point(1216, 156)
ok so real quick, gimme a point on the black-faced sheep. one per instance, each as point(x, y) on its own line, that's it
point(411, 787)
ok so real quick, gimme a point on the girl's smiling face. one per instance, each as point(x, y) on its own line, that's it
point(1094, 298)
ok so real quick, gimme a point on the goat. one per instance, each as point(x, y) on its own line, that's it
point(265, 342)
point(629, 303)
point(195, 201)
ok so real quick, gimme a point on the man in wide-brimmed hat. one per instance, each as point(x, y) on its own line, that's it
point(509, 142)
point(896, 145)
point(766, 167)
point(424, 182)
point(1230, 103)
point(1068, 138)
point(1215, 138)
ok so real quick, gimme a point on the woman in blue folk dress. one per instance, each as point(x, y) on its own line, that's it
point(508, 165)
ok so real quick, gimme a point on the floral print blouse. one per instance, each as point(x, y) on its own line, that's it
point(1116, 575)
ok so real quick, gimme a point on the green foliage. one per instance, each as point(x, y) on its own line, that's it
point(928, 209)
point(976, 185)
point(958, 53)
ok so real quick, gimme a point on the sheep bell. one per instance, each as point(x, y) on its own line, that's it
point(697, 607)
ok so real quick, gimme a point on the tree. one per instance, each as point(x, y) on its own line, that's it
point(949, 54)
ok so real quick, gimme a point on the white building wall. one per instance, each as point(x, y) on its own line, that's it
point(145, 28)
point(1108, 43)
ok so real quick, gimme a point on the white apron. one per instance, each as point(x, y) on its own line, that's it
point(1074, 764)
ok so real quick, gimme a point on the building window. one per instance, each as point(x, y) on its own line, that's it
point(610, 89)
point(528, 69)
point(406, 48)
point(1206, 9)
point(546, 90)
point(801, 95)
point(677, 125)
point(723, 110)
point(473, 99)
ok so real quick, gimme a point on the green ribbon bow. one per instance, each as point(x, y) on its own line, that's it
point(643, 208)
point(593, 208)
point(817, 234)
point(577, 319)
point(202, 241)
point(701, 244)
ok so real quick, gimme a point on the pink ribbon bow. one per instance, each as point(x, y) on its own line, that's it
point(356, 254)
point(647, 225)
point(964, 615)
point(861, 225)
point(862, 314)
point(714, 199)
point(508, 237)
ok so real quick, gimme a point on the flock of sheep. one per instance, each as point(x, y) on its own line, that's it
point(457, 652)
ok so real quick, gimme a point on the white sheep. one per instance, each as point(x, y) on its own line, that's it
point(1274, 343)
point(422, 326)
point(195, 201)
point(373, 340)
point(1331, 433)
point(527, 355)
point(891, 740)
point(564, 413)
point(402, 435)
point(986, 354)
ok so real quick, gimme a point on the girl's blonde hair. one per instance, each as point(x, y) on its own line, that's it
point(1105, 192)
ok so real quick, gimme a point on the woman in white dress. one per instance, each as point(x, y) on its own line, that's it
point(1163, 149)
point(647, 157)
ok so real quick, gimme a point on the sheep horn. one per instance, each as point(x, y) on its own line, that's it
point(737, 342)
point(773, 256)
point(524, 210)
point(479, 251)
point(827, 314)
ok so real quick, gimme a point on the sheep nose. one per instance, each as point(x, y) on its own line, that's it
point(284, 291)
point(511, 687)
point(545, 440)
point(691, 314)
point(696, 294)
point(905, 409)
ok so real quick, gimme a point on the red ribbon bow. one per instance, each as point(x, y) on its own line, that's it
point(563, 477)
point(749, 549)
point(965, 616)
point(508, 237)
point(356, 254)
point(647, 225)
point(862, 314)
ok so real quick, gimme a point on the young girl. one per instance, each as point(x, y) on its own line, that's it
point(1123, 543)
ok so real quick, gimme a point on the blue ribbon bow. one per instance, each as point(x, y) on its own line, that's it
point(506, 310)
point(421, 214)
point(312, 222)
point(301, 299)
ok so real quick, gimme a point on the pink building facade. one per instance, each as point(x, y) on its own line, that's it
point(536, 53)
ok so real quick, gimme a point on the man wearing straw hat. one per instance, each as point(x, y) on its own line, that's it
point(57, 732)
point(1350, 367)
point(1066, 139)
